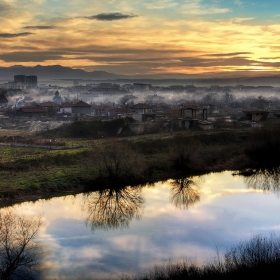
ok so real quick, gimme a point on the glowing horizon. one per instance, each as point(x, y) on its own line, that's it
point(143, 37)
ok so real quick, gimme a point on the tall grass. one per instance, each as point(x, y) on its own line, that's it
point(256, 258)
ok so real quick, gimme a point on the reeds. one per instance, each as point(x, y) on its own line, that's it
point(256, 258)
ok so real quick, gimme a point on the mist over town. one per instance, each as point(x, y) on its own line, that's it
point(26, 100)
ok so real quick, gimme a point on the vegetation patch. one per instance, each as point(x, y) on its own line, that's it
point(91, 129)
point(257, 258)
point(129, 160)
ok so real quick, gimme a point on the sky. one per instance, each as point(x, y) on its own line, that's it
point(143, 36)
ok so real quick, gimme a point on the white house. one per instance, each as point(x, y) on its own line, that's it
point(65, 108)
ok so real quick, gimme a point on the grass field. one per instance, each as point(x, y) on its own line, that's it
point(96, 162)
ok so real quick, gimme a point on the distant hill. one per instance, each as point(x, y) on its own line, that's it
point(53, 72)
point(58, 72)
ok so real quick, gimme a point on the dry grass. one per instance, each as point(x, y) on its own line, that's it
point(15, 132)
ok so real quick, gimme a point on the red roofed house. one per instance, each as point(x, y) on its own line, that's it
point(31, 112)
point(51, 107)
point(81, 108)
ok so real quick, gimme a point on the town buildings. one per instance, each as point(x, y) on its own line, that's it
point(177, 106)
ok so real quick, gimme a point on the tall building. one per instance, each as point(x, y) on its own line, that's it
point(141, 87)
point(28, 81)
point(31, 81)
point(20, 79)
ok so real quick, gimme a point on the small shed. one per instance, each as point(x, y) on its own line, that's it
point(255, 116)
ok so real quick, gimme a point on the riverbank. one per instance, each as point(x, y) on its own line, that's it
point(256, 258)
point(30, 173)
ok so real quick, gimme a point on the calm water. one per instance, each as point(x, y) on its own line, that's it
point(106, 235)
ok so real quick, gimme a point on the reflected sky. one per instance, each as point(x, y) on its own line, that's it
point(222, 211)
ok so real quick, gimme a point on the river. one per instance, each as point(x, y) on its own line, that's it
point(104, 235)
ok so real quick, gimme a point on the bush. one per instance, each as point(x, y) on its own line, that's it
point(182, 152)
point(258, 251)
point(257, 258)
point(264, 146)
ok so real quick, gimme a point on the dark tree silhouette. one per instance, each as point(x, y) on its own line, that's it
point(19, 251)
point(117, 161)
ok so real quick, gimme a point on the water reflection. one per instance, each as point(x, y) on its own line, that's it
point(266, 180)
point(113, 208)
point(225, 212)
point(184, 193)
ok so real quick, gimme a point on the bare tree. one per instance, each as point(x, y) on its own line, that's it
point(19, 251)
point(118, 160)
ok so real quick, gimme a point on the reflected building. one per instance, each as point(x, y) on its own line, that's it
point(113, 208)
point(184, 193)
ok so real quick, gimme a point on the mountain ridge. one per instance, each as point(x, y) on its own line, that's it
point(58, 72)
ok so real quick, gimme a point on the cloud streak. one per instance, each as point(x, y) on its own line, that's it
point(35, 56)
point(39, 27)
point(111, 16)
point(14, 35)
point(227, 54)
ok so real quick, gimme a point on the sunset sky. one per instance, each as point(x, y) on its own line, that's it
point(142, 36)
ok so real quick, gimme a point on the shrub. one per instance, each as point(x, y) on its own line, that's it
point(117, 161)
point(257, 258)
point(264, 146)
point(182, 153)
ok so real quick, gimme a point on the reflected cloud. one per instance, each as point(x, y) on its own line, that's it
point(266, 180)
point(184, 193)
point(113, 208)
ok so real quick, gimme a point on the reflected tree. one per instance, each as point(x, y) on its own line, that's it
point(184, 193)
point(20, 253)
point(264, 179)
point(113, 208)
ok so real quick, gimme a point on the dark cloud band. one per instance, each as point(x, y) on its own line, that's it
point(111, 16)
point(227, 54)
point(13, 35)
point(29, 56)
point(39, 27)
